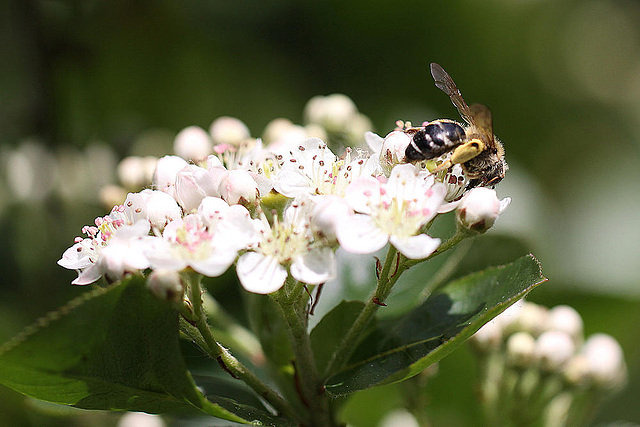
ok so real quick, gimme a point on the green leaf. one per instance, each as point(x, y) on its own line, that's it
point(328, 333)
point(114, 349)
point(427, 334)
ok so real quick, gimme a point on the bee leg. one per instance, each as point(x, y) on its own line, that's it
point(467, 151)
point(443, 166)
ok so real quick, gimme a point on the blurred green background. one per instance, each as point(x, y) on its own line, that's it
point(87, 82)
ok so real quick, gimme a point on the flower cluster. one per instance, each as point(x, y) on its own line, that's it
point(275, 210)
point(538, 360)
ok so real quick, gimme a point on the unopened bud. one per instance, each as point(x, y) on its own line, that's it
point(394, 146)
point(166, 285)
point(521, 349)
point(161, 208)
point(140, 419)
point(334, 112)
point(229, 130)
point(239, 187)
point(164, 177)
point(193, 143)
point(606, 361)
point(112, 195)
point(554, 349)
point(488, 337)
point(131, 173)
point(194, 183)
point(479, 209)
point(567, 319)
point(531, 318)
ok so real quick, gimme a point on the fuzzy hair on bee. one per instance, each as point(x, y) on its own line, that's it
point(473, 146)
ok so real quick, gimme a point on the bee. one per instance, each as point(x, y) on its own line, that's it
point(473, 146)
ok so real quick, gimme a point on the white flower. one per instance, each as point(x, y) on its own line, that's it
point(479, 209)
point(193, 143)
point(393, 212)
point(312, 168)
point(121, 253)
point(207, 243)
point(286, 243)
point(455, 181)
point(328, 212)
point(113, 246)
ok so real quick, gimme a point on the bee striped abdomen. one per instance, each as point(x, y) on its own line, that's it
point(434, 140)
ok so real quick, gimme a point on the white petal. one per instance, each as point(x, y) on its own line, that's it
point(415, 247)
point(315, 267)
point(374, 142)
point(260, 274)
point(88, 276)
point(75, 258)
point(362, 193)
point(216, 264)
point(359, 235)
point(292, 184)
point(162, 257)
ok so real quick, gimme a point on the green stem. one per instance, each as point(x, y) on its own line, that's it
point(386, 280)
point(445, 271)
point(453, 241)
point(310, 384)
point(226, 360)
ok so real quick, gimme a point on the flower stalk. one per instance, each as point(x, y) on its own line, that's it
point(226, 360)
point(309, 381)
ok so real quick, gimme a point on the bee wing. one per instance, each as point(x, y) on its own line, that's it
point(445, 83)
point(481, 118)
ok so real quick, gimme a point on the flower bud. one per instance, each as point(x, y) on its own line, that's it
point(140, 419)
point(111, 195)
point(229, 130)
point(238, 187)
point(399, 418)
point(567, 319)
point(282, 135)
point(521, 349)
point(393, 147)
point(479, 209)
point(164, 177)
point(193, 183)
point(334, 112)
point(554, 349)
point(193, 143)
point(607, 368)
point(531, 318)
point(576, 370)
point(161, 208)
point(488, 337)
point(131, 173)
point(166, 285)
